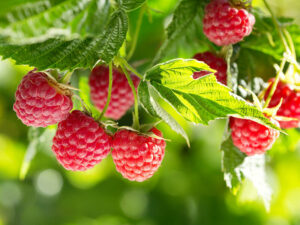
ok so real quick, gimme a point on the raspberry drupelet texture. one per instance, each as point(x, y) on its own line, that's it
point(252, 138)
point(80, 143)
point(137, 157)
point(121, 96)
point(224, 24)
point(290, 106)
point(215, 63)
point(40, 102)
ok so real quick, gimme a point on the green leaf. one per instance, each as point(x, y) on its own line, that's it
point(92, 20)
point(130, 5)
point(265, 37)
point(149, 99)
point(184, 30)
point(47, 18)
point(199, 100)
point(237, 166)
point(39, 21)
point(61, 53)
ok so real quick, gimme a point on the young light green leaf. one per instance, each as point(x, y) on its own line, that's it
point(63, 54)
point(149, 99)
point(237, 166)
point(199, 100)
point(130, 5)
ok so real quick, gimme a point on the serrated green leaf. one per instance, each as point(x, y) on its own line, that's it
point(39, 20)
point(185, 30)
point(63, 54)
point(149, 99)
point(130, 5)
point(199, 100)
point(237, 166)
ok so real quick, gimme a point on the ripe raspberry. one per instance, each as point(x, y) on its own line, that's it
point(224, 24)
point(137, 157)
point(80, 143)
point(215, 63)
point(290, 106)
point(40, 102)
point(251, 137)
point(121, 97)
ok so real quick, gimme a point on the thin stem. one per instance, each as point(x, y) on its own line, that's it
point(290, 42)
point(287, 49)
point(130, 68)
point(110, 81)
point(136, 106)
point(137, 31)
point(272, 91)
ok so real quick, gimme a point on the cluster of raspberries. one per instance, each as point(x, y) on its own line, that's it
point(224, 24)
point(80, 142)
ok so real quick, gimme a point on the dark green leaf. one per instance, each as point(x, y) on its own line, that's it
point(185, 30)
point(236, 166)
point(61, 53)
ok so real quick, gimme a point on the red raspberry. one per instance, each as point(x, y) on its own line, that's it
point(215, 63)
point(290, 106)
point(251, 137)
point(121, 97)
point(224, 24)
point(40, 102)
point(137, 157)
point(80, 143)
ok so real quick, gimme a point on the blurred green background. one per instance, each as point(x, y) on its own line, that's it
point(188, 189)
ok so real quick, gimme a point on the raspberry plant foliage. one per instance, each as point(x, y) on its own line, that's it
point(70, 35)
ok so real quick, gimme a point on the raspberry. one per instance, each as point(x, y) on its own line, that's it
point(80, 143)
point(290, 106)
point(251, 137)
point(224, 24)
point(121, 97)
point(40, 102)
point(215, 63)
point(137, 157)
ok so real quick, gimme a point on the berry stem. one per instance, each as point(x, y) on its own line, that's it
point(275, 83)
point(67, 77)
point(278, 28)
point(130, 68)
point(137, 31)
point(109, 90)
point(136, 106)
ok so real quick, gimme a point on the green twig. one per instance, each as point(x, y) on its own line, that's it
point(137, 31)
point(278, 27)
point(130, 68)
point(109, 90)
point(136, 106)
point(273, 88)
